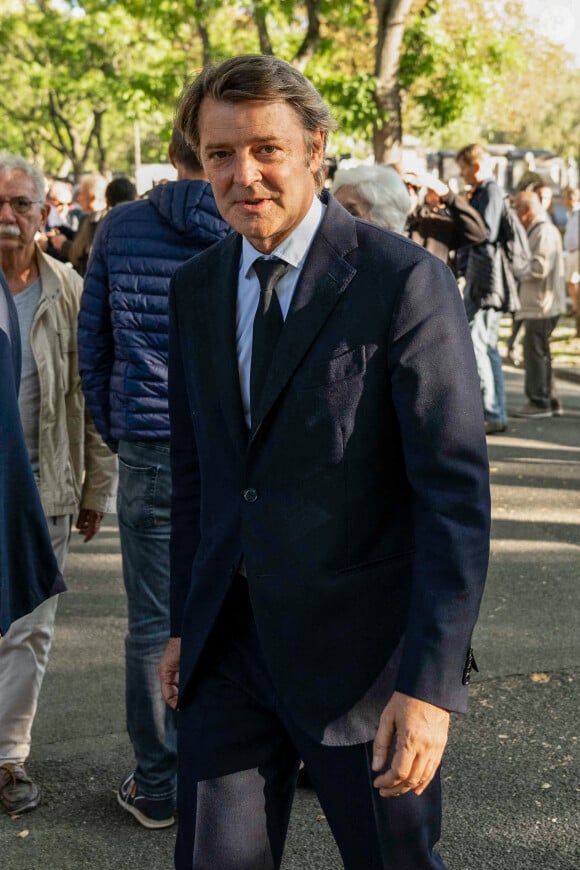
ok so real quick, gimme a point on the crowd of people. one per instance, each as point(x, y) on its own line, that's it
point(284, 392)
point(468, 232)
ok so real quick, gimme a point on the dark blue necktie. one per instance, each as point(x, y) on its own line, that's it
point(268, 324)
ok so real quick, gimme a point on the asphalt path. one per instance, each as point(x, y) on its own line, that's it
point(510, 773)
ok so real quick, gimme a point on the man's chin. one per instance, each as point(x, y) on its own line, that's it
point(254, 227)
point(265, 242)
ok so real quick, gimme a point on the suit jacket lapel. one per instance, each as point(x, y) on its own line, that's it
point(324, 278)
point(221, 308)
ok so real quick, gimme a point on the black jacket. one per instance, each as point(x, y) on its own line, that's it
point(446, 229)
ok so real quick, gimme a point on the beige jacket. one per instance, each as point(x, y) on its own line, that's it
point(77, 470)
point(542, 293)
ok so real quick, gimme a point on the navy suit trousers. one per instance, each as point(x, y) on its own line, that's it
point(239, 752)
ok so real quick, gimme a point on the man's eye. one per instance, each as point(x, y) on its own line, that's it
point(268, 149)
point(218, 155)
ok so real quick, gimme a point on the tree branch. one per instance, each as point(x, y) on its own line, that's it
point(262, 28)
point(96, 134)
point(45, 136)
point(101, 150)
point(311, 39)
point(388, 133)
point(203, 33)
point(57, 119)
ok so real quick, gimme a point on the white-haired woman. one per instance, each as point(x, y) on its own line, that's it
point(374, 193)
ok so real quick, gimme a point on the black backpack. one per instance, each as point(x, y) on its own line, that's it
point(514, 240)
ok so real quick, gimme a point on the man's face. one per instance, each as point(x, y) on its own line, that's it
point(85, 198)
point(468, 172)
point(60, 198)
point(17, 231)
point(433, 199)
point(351, 199)
point(255, 156)
point(523, 211)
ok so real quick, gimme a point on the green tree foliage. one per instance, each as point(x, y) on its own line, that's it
point(72, 82)
point(77, 76)
point(446, 67)
point(478, 71)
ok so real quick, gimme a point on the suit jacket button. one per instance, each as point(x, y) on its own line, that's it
point(250, 495)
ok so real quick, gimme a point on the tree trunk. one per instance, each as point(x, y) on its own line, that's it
point(311, 39)
point(309, 44)
point(203, 33)
point(99, 144)
point(388, 131)
point(262, 28)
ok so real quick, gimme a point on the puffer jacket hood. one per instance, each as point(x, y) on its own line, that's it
point(189, 207)
point(124, 318)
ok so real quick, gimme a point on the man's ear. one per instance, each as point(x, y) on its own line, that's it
point(44, 213)
point(316, 156)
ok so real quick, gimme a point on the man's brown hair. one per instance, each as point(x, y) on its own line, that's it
point(472, 154)
point(183, 153)
point(254, 77)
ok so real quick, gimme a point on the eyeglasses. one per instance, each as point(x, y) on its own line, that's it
point(20, 204)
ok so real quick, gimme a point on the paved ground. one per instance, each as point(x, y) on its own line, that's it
point(510, 785)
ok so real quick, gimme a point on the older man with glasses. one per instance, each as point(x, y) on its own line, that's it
point(74, 470)
point(92, 202)
point(63, 219)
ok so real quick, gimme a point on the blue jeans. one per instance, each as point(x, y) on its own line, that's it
point(143, 506)
point(484, 325)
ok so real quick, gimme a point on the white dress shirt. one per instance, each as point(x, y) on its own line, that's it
point(293, 250)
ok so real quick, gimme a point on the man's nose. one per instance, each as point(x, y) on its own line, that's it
point(6, 209)
point(246, 170)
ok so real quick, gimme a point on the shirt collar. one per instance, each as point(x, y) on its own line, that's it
point(295, 247)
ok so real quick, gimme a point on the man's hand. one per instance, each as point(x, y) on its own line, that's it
point(169, 671)
point(89, 523)
point(420, 731)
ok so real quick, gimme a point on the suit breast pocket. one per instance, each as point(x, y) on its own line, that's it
point(350, 364)
point(326, 396)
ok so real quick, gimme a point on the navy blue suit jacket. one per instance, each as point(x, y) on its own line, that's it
point(360, 500)
point(28, 570)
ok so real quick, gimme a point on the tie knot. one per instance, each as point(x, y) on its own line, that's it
point(269, 272)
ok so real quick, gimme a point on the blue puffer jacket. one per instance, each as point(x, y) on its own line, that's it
point(123, 320)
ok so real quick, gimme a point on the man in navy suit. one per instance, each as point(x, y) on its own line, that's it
point(330, 499)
